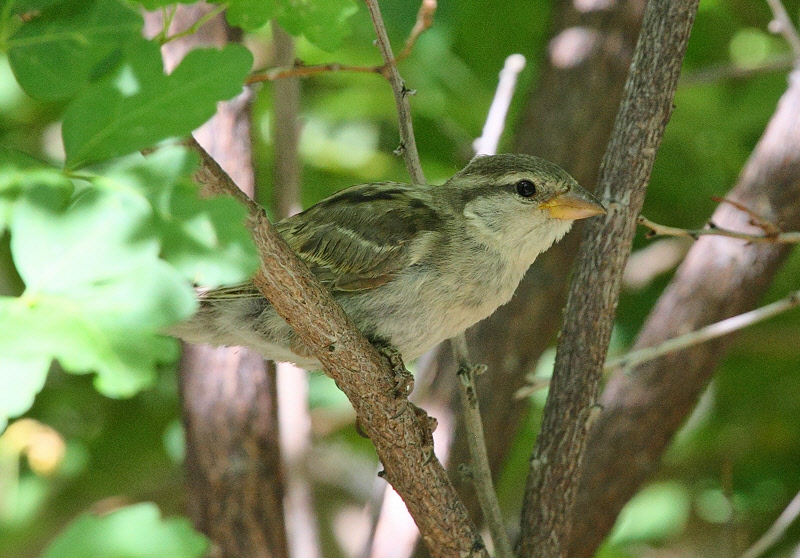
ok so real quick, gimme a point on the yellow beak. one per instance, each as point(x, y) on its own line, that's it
point(575, 203)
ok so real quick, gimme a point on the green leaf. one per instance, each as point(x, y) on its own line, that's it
point(97, 294)
point(323, 22)
point(250, 14)
point(204, 239)
point(142, 106)
point(21, 378)
point(136, 531)
point(70, 44)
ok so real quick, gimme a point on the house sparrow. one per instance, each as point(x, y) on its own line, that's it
point(412, 265)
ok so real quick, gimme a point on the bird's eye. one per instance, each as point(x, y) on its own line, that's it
point(526, 188)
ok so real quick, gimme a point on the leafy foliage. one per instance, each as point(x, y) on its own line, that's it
point(133, 532)
point(95, 260)
point(70, 44)
point(138, 105)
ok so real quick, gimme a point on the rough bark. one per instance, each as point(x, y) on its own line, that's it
point(233, 464)
point(719, 278)
point(568, 119)
point(594, 294)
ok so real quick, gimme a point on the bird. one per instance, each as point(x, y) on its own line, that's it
point(411, 264)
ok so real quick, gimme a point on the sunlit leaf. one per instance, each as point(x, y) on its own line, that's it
point(136, 531)
point(97, 294)
point(250, 14)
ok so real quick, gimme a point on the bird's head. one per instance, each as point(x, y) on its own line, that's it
point(519, 205)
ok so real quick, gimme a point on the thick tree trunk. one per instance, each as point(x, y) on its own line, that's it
point(233, 459)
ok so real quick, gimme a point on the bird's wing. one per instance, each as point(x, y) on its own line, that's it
point(361, 237)
point(357, 239)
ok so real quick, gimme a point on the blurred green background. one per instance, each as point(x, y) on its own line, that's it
point(732, 469)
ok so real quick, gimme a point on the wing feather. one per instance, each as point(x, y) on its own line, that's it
point(359, 238)
point(363, 236)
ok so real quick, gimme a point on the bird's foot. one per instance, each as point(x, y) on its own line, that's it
point(404, 380)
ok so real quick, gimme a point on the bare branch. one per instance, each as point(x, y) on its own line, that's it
point(664, 230)
point(408, 145)
point(718, 329)
point(298, 69)
point(228, 394)
point(782, 24)
point(479, 471)
point(647, 105)
point(496, 119)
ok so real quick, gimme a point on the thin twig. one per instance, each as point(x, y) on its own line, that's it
point(301, 70)
point(707, 333)
point(664, 230)
point(776, 530)
point(757, 220)
point(719, 72)
point(782, 24)
point(424, 21)
point(496, 120)
point(408, 145)
point(480, 472)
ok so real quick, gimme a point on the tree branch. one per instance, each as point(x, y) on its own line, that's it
point(702, 335)
point(478, 469)
point(646, 108)
point(427, 9)
point(496, 119)
point(719, 278)
point(400, 431)
point(776, 530)
point(234, 474)
point(408, 145)
point(713, 230)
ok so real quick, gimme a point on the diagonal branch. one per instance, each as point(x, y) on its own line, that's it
point(646, 107)
point(400, 432)
point(783, 25)
point(707, 333)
